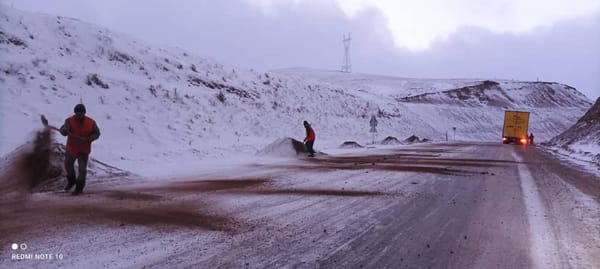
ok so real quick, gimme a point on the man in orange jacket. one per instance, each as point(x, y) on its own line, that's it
point(80, 131)
point(309, 141)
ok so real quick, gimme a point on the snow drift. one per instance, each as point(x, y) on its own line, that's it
point(283, 147)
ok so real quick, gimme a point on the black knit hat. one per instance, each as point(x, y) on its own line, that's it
point(79, 108)
point(305, 122)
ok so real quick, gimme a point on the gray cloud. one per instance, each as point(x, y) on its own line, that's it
point(568, 52)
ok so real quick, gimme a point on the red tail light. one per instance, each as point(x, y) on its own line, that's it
point(504, 138)
point(523, 141)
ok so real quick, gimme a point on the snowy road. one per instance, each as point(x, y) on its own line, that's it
point(427, 206)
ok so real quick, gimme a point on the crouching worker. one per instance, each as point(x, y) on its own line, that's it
point(80, 131)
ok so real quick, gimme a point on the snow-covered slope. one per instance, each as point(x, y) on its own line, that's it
point(475, 107)
point(157, 106)
point(377, 84)
point(582, 140)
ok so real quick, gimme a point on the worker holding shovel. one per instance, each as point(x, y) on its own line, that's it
point(80, 131)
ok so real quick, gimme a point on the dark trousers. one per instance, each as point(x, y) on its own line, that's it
point(309, 146)
point(82, 160)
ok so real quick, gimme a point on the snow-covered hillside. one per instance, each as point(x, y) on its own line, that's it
point(156, 106)
point(582, 140)
point(475, 107)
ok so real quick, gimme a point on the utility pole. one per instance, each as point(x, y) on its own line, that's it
point(346, 65)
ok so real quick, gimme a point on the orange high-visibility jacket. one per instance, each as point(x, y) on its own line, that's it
point(76, 146)
point(310, 133)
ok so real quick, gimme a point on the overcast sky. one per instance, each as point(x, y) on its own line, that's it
point(549, 40)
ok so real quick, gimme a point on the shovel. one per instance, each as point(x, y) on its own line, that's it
point(45, 123)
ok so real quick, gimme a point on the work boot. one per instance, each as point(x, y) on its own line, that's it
point(78, 188)
point(70, 183)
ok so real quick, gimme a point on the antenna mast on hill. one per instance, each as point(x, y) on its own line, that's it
point(346, 65)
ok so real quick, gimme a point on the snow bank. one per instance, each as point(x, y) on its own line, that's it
point(351, 144)
point(283, 147)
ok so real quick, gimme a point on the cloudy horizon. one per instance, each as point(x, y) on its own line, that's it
point(521, 40)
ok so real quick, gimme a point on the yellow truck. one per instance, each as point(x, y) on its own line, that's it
point(516, 124)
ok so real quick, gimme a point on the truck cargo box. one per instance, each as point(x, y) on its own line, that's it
point(516, 124)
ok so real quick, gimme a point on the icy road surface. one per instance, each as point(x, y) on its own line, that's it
point(426, 206)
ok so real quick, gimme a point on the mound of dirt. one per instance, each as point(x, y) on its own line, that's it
point(412, 139)
point(283, 147)
point(350, 144)
point(390, 140)
point(31, 164)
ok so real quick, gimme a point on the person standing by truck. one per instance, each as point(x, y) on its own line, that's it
point(531, 138)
